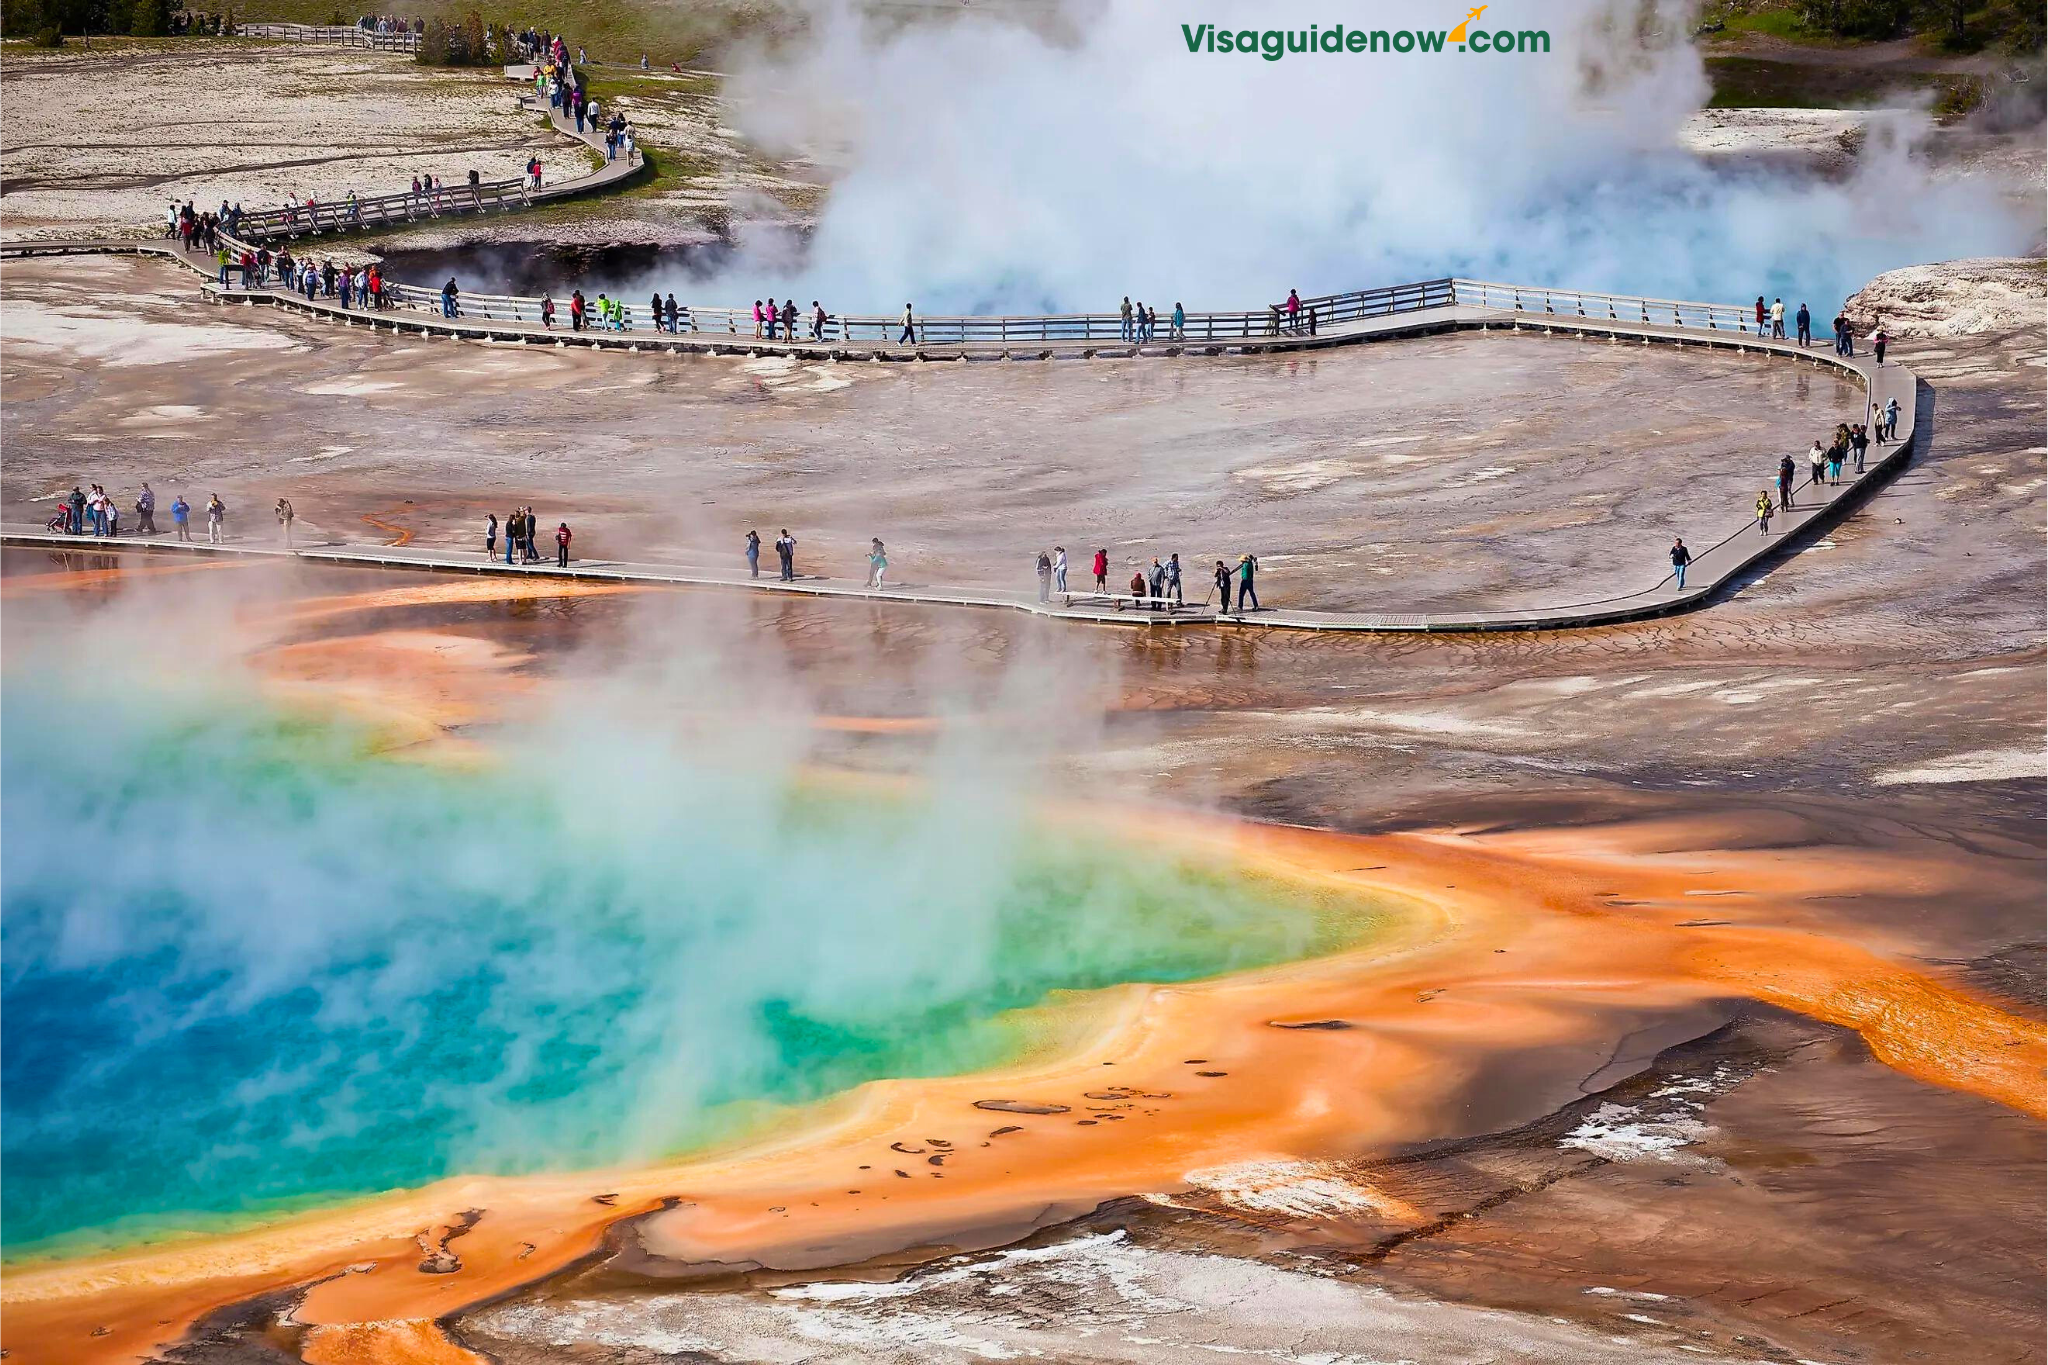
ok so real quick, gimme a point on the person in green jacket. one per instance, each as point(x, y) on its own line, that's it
point(1247, 568)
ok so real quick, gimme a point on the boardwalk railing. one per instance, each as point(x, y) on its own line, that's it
point(348, 35)
point(1330, 313)
point(1522, 298)
point(405, 206)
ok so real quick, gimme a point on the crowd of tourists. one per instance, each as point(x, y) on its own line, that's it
point(1847, 450)
point(1770, 323)
point(1160, 587)
point(93, 511)
point(521, 531)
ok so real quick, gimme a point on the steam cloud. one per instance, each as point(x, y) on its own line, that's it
point(247, 964)
point(988, 167)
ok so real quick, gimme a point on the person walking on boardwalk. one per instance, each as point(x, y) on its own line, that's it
point(491, 536)
point(1101, 570)
point(284, 519)
point(1247, 594)
point(1817, 460)
point(1059, 568)
point(753, 554)
point(562, 537)
point(576, 310)
point(1763, 512)
point(785, 551)
point(145, 512)
point(817, 321)
point(1222, 577)
point(547, 316)
point(1878, 341)
point(878, 563)
point(532, 537)
point(1890, 431)
point(1680, 557)
point(1173, 579)
point(1044, 576)
point(1836, 454)
point(1859, 441)
point(1179, 323)
point(216, 517)
point(909, 327)
point(1804, 319)
point(181, 518)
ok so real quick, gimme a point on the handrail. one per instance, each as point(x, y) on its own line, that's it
point(1522, 298)
point(348, 35)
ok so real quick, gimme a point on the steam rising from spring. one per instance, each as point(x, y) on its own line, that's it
point(988, 164)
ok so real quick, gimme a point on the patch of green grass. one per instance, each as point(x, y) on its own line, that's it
point(1754, 83)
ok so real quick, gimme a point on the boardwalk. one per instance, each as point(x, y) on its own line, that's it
point(1627, 593)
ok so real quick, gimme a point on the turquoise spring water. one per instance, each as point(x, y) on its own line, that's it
point(249, 966)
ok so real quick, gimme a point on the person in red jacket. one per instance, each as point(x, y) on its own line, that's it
point(562, 546)
point(1102, 571)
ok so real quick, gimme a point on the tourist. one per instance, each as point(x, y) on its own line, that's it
point(76, 505)
point(1778, 319)
point(181, 518)
point(145, 512)
point(878, 563)
point(576, 310)
point(1680, 557)
point(909, 327)
point(1222, 577)
point(1890, 430)
point(1804, 319)
point(547, 317)
point(774, 317)
point(1859, 441)
point(817, 321)
point(1817, 460)
point(491, 536)
point(512, 527)
point(1059, 567)
point(1878, 341)
point(785, 554)
point(532, 537)
point(1247, 569)
point(1137, 588)
point(654, 311)
point(1763, 512)
point(1836, 454)
point(757, 319)
point(1787, 473)
point(1124, 316)
point(672, 313)
point(604, 311)
point(1044, 576)
point(1848, 347)
point(753, 554)
point(1180, 323)
point(1293, 309)
point(284, 519)
point(562, 538)
point(216, 515)
point(789, 319)
point(449, 294)
point(1762, 315)
point(1156, 583)
point(1101, 568)
point(1173, 579)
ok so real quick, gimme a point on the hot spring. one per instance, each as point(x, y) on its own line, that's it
point(251, 965)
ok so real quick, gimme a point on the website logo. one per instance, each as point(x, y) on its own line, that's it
point(1272, 44)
